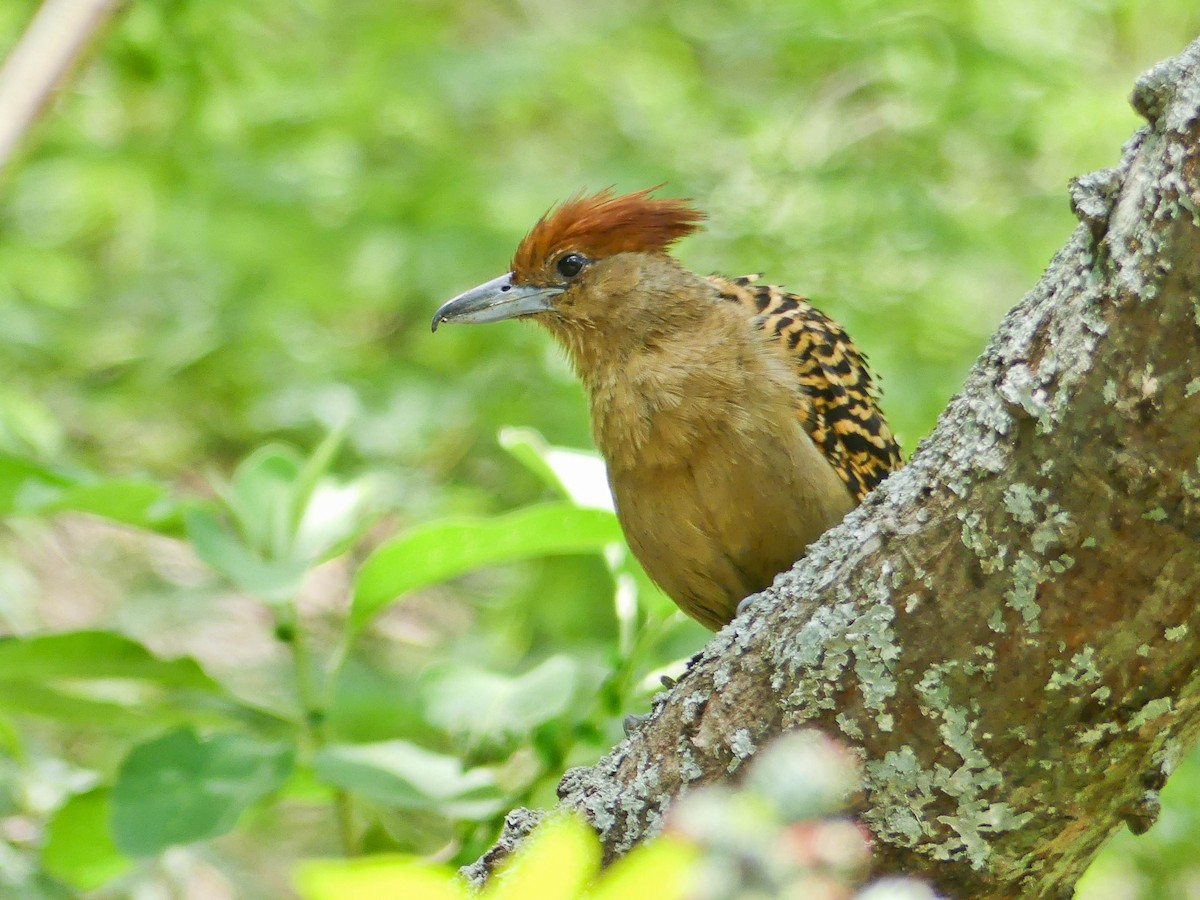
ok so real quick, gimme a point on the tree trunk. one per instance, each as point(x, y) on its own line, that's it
point(1006, 631)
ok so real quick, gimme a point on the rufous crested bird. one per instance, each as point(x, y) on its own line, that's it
point(737, 421)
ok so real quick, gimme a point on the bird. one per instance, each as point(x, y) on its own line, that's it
point(737, 421)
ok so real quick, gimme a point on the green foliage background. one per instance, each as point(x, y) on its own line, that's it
point(233, 228)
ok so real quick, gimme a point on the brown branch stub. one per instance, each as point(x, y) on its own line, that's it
point(1006, 632)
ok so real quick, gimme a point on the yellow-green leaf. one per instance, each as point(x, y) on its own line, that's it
point(660, 869)
point(557, 863)
point(377, 878)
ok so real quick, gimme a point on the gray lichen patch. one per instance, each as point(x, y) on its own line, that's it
point(933, 688)
point(849, 726)
point(1055, 528)
point(974, 816)
point(873, 644)
point(741, 745)
point(979, 820)
point(720, 678)
point(1081, 671)
point(1021, 501)
point(1151, 711)
point(646, 783)
point(1027, 574)
point(838, 639)
point(1029, 506)
point(977, 538)
point(1096, 734)
point(692, 704)
point(689, 768)
point(818, 658)
point(900, 788)
point(1023, 388)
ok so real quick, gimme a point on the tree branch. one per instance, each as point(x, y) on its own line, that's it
point(1005, 633)
point(54, 42)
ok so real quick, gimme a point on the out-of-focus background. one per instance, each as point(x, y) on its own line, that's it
point(229, 235)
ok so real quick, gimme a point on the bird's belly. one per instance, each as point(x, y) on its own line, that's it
point(721, 524)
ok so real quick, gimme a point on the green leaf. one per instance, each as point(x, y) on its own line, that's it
point(274, 581)
point(378, 878)
point(96, 655)
point(284, 517)
point(333, 516)
point(20, 478)
point(556, 863)
point(405, 776)
point(480, 704)
point(79, 848)
point(98, 677)
point(312, 472)
point(261, 497)
point(664, 868)
point(434, 552)
point(30, 488)
point(178, 788)
point(579, 475)
point(67, 706)
point(142, 504)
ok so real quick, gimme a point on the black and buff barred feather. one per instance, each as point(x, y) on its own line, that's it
point(839, 401)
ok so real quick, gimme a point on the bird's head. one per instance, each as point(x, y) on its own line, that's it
point(580, 261)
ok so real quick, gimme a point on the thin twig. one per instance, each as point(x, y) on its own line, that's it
point(53, 43)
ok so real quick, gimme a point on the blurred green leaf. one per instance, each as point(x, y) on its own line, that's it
point(579, 475)
point(477, 704)
point(271, 580)
point(104, 678)
point(139, 503)
point(313, 472)
point(31, 488)
point(79, 848)
point(85, 655)
point(378, 878)
point(262, 496)
point(285, 516)
point(440, 550)
point(26, 477)
point(334, 514)
point(179, 788)
point(70, 706)
point(405, 776)
point(558, 860)
point(665, 866)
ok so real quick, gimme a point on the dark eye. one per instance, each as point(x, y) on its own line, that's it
point(570, 265)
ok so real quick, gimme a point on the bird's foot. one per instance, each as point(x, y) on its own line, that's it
point(745, 604)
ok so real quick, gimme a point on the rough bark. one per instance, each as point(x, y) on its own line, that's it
point(1006, 632)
